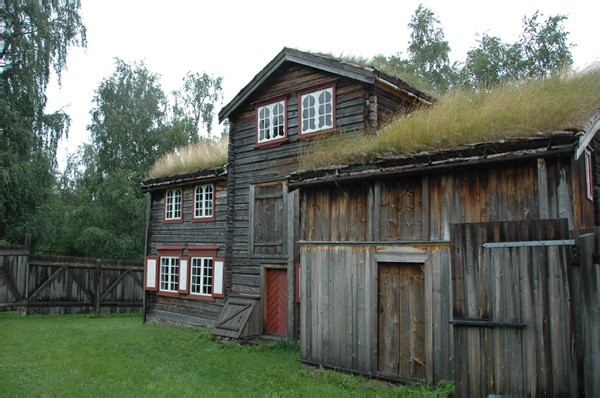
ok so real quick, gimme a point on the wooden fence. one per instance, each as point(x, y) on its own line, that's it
point(525, 309)
point(42, 284)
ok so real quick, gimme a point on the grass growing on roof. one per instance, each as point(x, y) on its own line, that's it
point(115, 355)
point(464, 116)
point(201, 155)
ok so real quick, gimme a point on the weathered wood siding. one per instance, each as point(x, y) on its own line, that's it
point(182, 310)
point(338, 299)
point(41, 284)
point(421, 208)
point(250, 167)
point(519, 312)
point(346, 226)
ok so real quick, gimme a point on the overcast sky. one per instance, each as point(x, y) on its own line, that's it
point(236, 39)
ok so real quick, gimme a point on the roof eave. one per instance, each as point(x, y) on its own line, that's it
point(545, 145)
point(363, 74)
point(184, 179)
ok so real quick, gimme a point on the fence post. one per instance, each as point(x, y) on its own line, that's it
point(26, 261)
point(98, 285)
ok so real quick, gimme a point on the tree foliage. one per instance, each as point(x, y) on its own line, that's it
point(195, 102)
point(132, 127)
point(128, 111)
point(35, 42)
point(542, 50)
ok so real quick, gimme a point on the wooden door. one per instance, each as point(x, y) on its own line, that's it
point(401, 320)
point(276, 301)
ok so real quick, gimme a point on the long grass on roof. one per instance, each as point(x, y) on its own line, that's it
point(463, 116)
point(198, 156)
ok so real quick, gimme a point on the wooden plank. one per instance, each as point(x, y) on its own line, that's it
point(425, 207)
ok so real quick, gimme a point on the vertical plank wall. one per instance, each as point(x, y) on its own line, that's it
point(344, 227)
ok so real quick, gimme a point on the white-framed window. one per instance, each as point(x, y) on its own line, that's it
point(201, 274)
point(169, 274)
point(173, 204)
point(317, 111)
point(270, 122)
point(589, 179)
point(204, 202)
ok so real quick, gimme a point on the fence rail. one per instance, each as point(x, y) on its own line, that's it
point(43, 284)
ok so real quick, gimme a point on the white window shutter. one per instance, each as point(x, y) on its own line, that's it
point(183, 275)
point(151, 273)
point(219, 277)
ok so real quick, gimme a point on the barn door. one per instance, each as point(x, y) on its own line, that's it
point(511, 312)
point(401, 320)
point(276, 301)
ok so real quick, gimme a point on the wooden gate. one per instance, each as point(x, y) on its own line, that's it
point(401, 320)
point(40, 284)
point(511, 308)
point(276, 301)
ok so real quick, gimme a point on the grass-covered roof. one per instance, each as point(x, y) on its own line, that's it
point(205, 154)
point(460, 117)
point(463, 116)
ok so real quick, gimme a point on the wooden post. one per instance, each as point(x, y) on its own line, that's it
point(290, 199)
point(543, 189)
point(98, 280)
point(25, 295)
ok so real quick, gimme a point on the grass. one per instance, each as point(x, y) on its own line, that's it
point(465, 116)
point(199, 156)
point(114, 355)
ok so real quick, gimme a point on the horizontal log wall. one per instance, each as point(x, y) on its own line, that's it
point(182, 310)
point(253, 166)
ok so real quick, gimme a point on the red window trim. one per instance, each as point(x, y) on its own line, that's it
point(214, 213)
point(317, 86)
point(311, 89)
point(201, 251)
point(174, 220)
point(279, 141)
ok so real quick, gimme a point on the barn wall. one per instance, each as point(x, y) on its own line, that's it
point(346, 226)
point(421, 208)
point(182, 310)
point(339, 305)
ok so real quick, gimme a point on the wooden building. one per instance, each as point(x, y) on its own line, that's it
point(470, 264)
point(296, 97)
point(252, 233)
point(185, 247)
point(387, 268)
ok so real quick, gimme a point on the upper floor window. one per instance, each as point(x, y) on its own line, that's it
point(173, 205)
point(317, 111)
point(204, 203)
point(271, 121)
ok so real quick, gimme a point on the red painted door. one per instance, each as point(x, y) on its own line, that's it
point(276, 301)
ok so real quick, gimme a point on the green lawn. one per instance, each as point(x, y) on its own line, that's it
point(118, 354)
